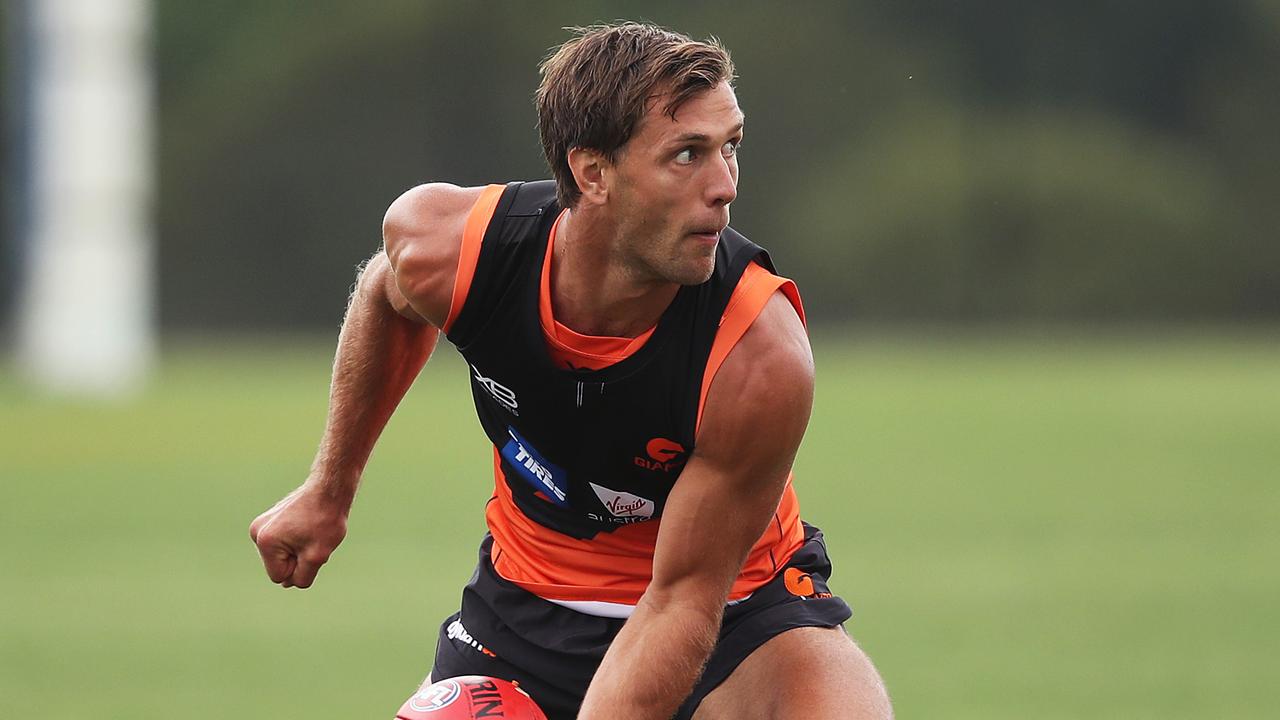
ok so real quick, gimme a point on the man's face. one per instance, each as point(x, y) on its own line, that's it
point(674, 181)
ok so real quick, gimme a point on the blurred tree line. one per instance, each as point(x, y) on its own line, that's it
point(916, 160)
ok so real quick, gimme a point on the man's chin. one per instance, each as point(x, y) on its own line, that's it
point(696, 274)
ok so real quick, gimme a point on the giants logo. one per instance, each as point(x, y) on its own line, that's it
point(664, 455)
point(800, 584)
point(505, 396)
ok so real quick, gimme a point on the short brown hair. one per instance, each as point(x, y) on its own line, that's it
point(597, 86)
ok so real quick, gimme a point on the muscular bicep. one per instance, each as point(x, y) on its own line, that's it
point(755, 416)
point(422, 238)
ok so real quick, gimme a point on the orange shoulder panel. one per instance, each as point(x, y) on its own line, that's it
point(754, 289)
point(469, 252)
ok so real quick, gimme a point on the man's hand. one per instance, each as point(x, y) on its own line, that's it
point(297, 535)
point(402, 296)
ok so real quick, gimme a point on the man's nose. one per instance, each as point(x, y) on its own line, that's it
point(723, 187)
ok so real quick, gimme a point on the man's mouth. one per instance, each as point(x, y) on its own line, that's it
point(708, 234)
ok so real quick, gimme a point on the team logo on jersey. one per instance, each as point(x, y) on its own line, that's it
point(624, 506)
point(800, 584)
point(529, 464)
point(436, 696)
point(505, 396)
point(663, 454)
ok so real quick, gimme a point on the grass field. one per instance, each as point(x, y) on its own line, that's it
point(1041, 527)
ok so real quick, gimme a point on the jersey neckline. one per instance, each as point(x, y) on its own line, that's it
point(568, 347)
point(642, 348)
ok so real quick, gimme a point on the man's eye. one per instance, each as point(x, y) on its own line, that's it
point(685, 157)
point(730, 148)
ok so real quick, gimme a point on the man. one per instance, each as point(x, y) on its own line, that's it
point(632, 358)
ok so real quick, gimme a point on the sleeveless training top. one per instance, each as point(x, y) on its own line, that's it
point(584, 459)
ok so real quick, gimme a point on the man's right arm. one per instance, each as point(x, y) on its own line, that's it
point(401, 297)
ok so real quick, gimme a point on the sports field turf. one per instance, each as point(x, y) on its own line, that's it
point(1027, 528)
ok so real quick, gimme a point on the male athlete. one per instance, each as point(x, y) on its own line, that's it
point(645, 379)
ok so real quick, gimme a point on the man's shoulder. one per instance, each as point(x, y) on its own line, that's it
point(422, 235)
point(429, 209)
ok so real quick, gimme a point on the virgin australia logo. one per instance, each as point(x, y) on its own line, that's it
point(624, 504)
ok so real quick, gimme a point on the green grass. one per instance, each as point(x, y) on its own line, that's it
point(1027, 528)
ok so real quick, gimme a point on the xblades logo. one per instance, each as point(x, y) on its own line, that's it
point(663, 454)
point(505, 396)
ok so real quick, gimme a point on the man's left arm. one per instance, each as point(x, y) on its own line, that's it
point(755, 415)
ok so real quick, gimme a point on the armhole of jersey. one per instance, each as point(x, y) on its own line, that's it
point(469, 252)
point(753, 291)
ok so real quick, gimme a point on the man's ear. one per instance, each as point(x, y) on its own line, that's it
point(589, 172)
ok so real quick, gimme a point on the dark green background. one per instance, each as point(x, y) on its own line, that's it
point(916, 160)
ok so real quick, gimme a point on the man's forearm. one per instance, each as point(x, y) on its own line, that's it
point(654, 662)
point(379, 355)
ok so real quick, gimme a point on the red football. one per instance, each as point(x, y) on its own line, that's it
point(470, 697)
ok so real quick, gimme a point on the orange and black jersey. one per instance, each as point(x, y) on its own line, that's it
point(588, 446)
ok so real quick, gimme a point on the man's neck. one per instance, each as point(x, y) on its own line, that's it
point(594, 290)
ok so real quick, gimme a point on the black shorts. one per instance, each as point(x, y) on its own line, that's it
point(552, 652)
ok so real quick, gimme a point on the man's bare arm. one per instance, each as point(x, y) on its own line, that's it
point(755, 417)
point(400, 298)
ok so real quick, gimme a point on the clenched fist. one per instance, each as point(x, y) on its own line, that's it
point(297, 535)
